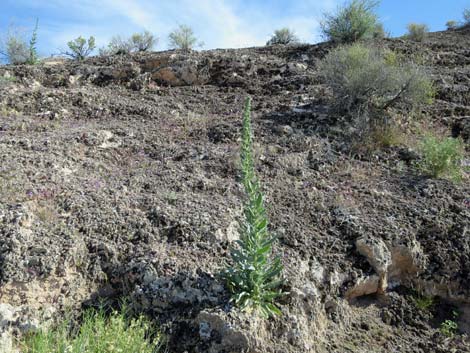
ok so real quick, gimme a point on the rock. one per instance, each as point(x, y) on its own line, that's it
point(285, 130)
point(177, 70)
point(6, 343)
point(225, 337)
point(461, 128)
point(365, 286)
point(7, 313)
point(379, 257)
point(228, 235)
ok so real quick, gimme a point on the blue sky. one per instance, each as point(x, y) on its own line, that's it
point(219, 23)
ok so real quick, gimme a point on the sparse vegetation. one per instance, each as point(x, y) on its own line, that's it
point(254, 278)
point(423, 302)
point(385, 136)
point(351, 22)
point(138, 42)
point(283, 36)
point(379, 32)
point(6, 80)
point(17, 50)
point(442, 157)
point(452, 24)
point(417, 32)
point(183, 38)
point(33, 55)
point(368, 81)
point(117, 46)
point(80, 48)
point(141, 42)
point(450, 327)
point(97, 334)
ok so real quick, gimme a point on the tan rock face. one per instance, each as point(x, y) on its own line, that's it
point(378, 256)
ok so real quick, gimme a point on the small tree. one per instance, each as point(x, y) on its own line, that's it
point(351, 22)
point(452, 24)
point(417, 32)
point(80, 48)
point(183, 38)
point(144, 41)
point(283, 36)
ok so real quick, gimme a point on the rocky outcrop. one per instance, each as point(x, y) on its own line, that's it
point(119, 177)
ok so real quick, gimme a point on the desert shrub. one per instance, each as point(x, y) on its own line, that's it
point(452, 24)
point(97, 334)
point(351, 22)
point(386, 136)
point(141, 42)
point(379, 32)
point(183, 38)
point(17, 50)
point(254, 277)
point(417, 32)
point(80, 48)
point(466, 16)
point(283, 36)
point(138, 42)
point(442, 157)
point(367, 81)
point(117, 46)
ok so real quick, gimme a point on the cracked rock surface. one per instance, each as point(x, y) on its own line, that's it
point(119, 177)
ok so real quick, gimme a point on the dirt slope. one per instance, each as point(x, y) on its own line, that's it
point(119, 178)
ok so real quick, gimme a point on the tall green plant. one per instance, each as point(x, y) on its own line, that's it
point(33, 54)
point(255, 277)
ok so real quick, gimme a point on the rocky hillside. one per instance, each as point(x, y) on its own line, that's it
point(119, 178)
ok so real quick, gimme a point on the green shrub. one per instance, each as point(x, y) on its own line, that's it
point(379, 32)
point(254, 278)
point(141, 42)
point(442, 157)
point(452, 24)
point(80, 48)
point(417, 32)
point(283, 36)
point(368, 81)
point(33, 55)
point(138, 42)
point(351, 22)
point(450, 327)
point(117, 46)
point(17, 50)
point(97, 334)
point(424, 302)
point(183, 38)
